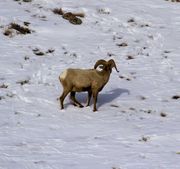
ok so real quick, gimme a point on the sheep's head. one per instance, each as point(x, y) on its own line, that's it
point(106, 65)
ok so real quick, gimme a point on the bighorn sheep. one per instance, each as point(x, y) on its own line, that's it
point(90, 80)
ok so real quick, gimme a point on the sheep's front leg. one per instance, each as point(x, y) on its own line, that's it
point(89, 97)
point(75, 102)
point(95, 95)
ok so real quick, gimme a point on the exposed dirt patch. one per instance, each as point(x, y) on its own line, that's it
point(173, 0)
point(4, 86)
point(23, 0)
point(39, 16)
point(124, 44)
point(130, 57)
point(162, 114)
point(167, 51)
point(105, 11)
point(110, 54)
point(39, 52)
point(175, 97)
point(114, 105)
point(142, 97)
point(133, 22)
point(146, 111)
point(124, 77)
point(73, 18)
point(58, 11)
point(50, 51)
point(132, 109)
point(16, 29)
point(127, 77)
point(23, 82)
point(26, 58)
point(20, 29)
point(144, 25)
point(2, 97)
point(144, 138)
point(116, 168)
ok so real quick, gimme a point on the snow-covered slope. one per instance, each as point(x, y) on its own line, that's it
point(137, 123)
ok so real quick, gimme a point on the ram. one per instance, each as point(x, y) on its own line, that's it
point(90, 80)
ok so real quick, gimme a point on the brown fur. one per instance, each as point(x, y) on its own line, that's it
point(90, 80)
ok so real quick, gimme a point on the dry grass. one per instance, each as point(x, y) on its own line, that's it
point(20, 29)
point(162, 114)
point(79, 14)
point(175, 97)
point(23, 0)
point(122, 44)
point(23, 82)
point(39, 52)
point(8, 32)
point(173, 0)
point(58, 11)
point(14, 28)
point(4, 86)
point(73, 18)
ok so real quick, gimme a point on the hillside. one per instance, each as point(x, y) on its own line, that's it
point(137, 122)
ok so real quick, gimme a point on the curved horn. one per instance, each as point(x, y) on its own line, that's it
point(112, 63)
point(100, 62)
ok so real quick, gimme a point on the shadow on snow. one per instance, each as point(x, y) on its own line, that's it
point(110, 96)
point(103, 98)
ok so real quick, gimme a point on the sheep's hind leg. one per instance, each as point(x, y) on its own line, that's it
point(62, 97)
point(75, 102)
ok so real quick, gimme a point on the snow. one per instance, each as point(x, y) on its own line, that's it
point(128, 131)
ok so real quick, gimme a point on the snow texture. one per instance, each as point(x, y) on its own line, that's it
point(137, 125)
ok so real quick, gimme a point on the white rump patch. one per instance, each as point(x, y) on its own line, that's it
point(63, 75)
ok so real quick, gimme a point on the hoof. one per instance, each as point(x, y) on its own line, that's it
point(75, 105)
point(81, 106)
